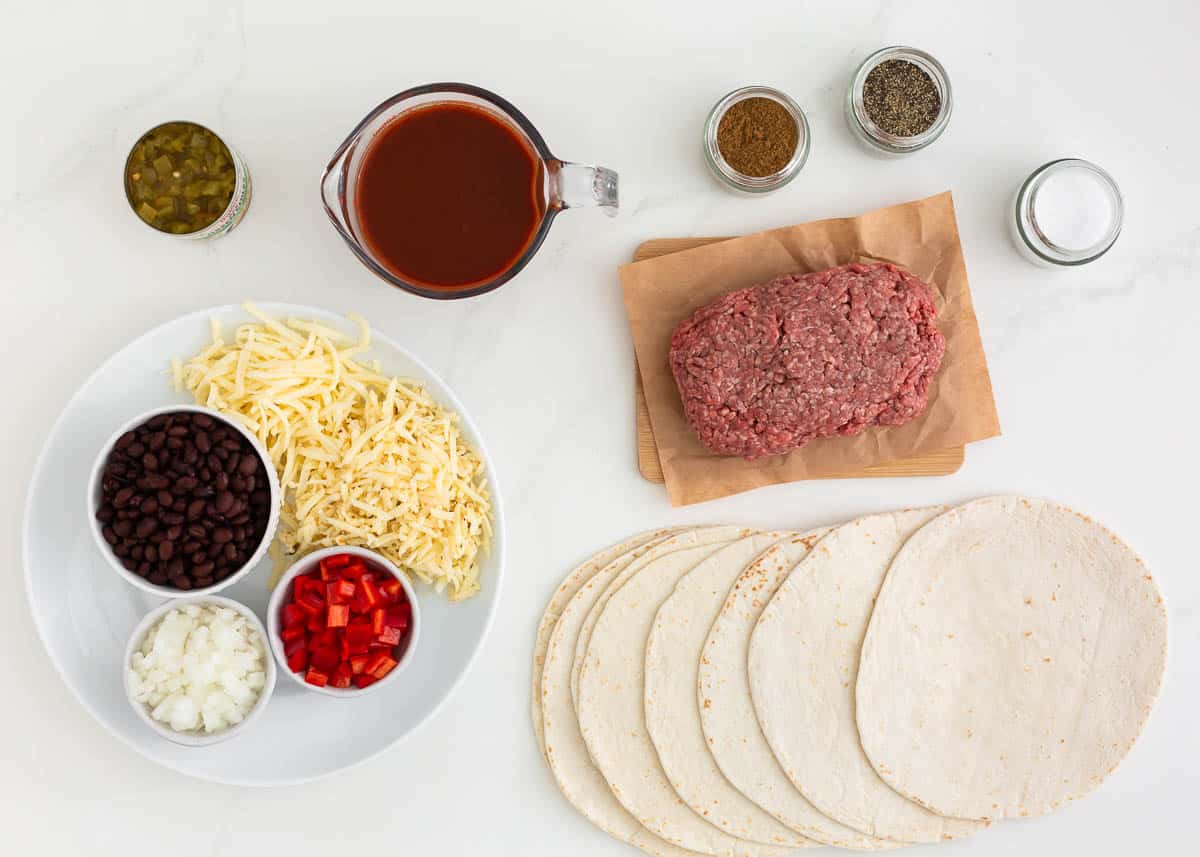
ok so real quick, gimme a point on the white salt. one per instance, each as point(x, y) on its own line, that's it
point(1074, 208)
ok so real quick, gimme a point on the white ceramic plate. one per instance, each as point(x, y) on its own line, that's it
point(85, 612)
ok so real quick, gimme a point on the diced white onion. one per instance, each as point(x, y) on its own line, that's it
point(199, 668)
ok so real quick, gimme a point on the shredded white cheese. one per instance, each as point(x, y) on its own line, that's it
point(363, 458)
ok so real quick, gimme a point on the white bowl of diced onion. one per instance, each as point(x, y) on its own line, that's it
point(188, 641)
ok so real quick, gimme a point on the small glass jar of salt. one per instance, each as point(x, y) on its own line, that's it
point(1067, 213)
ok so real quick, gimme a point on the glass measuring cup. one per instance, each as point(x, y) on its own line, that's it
point(566, 185)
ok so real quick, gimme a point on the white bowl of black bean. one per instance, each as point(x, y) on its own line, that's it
point(183, 501)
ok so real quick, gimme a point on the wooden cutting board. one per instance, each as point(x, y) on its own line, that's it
point(934, 464)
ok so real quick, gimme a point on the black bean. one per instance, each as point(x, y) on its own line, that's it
point(122, 497)
point(149, 506)
point(151, 553)
point(179, 506)
point(185, 484)
point(124, 440)
point(121, 549)
point(196, 531)
point(182, 582)
point(249, 464)
point(221, 482)
point(232, 462)
point(195, 509)
point(213, 550)
point(164, 497)
point(223, 502)
point(166, 549)
point(221, 535)
point(203, 582)
point(145, 527)
point(137, 552)
point(158, 578)
point(172, 519)
point(123, 528)
point(202, 569)
point(109, 535)
point(135, 450)
point(231, 552)
point(174, 532)
point(178, 431)
point(105, 513)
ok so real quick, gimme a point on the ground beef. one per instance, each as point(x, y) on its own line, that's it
point(765, 370)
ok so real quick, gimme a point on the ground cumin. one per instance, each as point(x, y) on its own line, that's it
point(757, 137)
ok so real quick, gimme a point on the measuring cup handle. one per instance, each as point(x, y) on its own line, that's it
point(580, 185)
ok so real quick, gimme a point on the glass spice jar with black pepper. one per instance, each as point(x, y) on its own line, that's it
point(756, 139)
point(899, 100)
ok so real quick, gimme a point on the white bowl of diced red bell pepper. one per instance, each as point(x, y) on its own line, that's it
point(343, 621)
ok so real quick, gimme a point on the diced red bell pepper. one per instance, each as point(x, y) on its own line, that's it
point(398, 616)
point(358, 663)
point(341, 675)
point(339, 560)
point(292, 615)
point(364, 680)
point(355, 569)
point(315, 623)
point(369, 593)
point(325, 659)
point(392, 590)
point(316, 677)
point(380, 664)
point(338, 616)
point(293, 632)
point(358, 636)
point(298, 662)
point(305, 584)
point(378, 615)
point(339, 592)
point(390, 637)
point(311, 603)
point(296, 644)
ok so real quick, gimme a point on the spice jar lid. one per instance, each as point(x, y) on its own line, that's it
point(871, 132)
point(741, 181)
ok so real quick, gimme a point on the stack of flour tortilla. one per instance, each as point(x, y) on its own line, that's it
point(907, 677)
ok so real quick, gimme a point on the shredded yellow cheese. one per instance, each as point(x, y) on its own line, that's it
point(363, 458)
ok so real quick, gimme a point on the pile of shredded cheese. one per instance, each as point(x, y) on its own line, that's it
point(363, 459)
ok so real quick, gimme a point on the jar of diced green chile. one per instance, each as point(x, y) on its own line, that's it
point(185, 181)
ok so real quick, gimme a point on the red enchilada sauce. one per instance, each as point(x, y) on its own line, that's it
point(449, 196)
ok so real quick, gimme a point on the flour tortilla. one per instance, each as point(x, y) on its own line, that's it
point(694, 537)
point(727, 714)
point(1013, 658)
point(576, 776)
point(610, 709)
point(803, 662)
point(672, 719)
point(570, 585)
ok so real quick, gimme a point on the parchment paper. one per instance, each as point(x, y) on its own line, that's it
point(921, 236)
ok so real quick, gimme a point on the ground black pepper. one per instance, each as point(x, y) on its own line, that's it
point(757, 137)
point(901, 98)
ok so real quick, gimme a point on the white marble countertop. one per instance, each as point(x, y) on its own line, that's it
point(1094, 369)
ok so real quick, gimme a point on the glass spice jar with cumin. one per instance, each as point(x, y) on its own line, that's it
point(899, 100)
point(756, 139)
